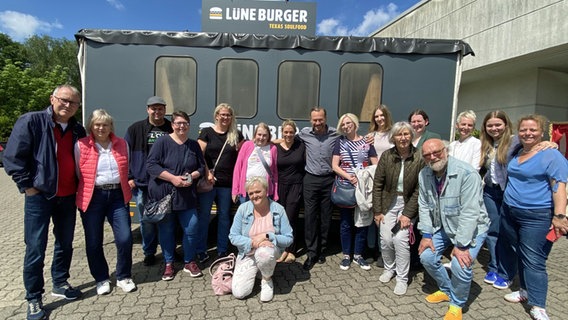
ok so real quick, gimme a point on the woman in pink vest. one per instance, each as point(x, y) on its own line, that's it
point(101, 161)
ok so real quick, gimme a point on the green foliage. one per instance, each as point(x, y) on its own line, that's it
point(30, 72)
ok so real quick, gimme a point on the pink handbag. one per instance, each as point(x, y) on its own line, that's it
point(221, 271)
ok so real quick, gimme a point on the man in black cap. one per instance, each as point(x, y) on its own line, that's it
point(140, 137)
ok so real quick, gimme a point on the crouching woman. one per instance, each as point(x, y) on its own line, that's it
point(261, 232)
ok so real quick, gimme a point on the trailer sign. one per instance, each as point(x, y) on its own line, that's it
point(259, 17)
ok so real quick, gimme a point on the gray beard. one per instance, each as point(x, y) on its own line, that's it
point(438, 166)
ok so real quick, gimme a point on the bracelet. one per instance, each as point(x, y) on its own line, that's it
point(560, 216)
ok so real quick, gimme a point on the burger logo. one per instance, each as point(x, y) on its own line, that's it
point(215, 13)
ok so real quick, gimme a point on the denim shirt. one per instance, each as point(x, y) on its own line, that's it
point(244, 218)
point(459, 209)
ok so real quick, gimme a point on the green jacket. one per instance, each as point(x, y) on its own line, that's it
point(386, 182)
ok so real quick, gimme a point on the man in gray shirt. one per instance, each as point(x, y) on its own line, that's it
point(319, 141)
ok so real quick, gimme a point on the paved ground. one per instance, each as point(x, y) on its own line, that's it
point(324, 293)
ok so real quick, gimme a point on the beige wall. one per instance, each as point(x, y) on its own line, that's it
point(521, 51)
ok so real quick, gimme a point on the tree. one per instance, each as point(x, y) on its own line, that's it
point(11, 50)
point(29, 73)
point(45, 53)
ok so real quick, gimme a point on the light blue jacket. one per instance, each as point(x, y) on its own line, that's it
point(459, 210)
point(239, 234)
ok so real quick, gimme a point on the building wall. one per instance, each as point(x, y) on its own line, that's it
point(521, 51)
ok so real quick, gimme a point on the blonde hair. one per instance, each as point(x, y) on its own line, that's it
point(233, 132)
point(352, 117)
point(289, 122)
point(100, 115)
point(257, 179)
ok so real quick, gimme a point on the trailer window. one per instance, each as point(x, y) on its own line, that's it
point(298, 89)
point(360, 89)
point(237, 85)
point(176, 83)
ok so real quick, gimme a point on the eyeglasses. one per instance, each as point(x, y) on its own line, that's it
point(435, 154)
point(68, 102)
point(181, 123)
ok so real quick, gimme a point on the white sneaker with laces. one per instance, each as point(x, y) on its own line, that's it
point(127, 285)
point(400, 288)
point(103, 287)
point(517, 296)
point(386, 276)
point(266, 290)
point(539, 314)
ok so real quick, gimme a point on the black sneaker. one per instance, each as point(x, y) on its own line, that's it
point(35, 310)
point(202, 257)
point(66, 291)
point(149, 260)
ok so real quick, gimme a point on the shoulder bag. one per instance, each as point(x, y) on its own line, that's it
point(155, 211)
point(343, 191)
point(203, 185)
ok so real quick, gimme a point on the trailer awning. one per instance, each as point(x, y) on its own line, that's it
point(258, 41)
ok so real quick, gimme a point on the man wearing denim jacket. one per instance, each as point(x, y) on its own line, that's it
point(451, 212)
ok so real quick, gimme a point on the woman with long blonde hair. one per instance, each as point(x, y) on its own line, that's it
point(220, 146)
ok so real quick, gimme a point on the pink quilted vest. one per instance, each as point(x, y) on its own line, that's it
point(88, 162)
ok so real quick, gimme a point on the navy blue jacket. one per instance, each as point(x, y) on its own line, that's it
point(30, 156)
point(137, 138)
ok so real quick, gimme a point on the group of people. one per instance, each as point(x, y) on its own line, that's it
point(416, 196)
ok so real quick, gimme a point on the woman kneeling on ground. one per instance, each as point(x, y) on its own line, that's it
point(261, 232)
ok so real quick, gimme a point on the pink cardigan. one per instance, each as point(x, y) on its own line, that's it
point(240, 171)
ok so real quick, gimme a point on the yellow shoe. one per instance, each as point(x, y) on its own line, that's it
point(437, 297)
point(454, 313)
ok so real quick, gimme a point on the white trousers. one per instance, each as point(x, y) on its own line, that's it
point(263, 260)
point(395, 248)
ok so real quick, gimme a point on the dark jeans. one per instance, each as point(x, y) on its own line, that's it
point(346, 230)
point(317, 212)
point(224, 201)
point(522, 247)
point(289, 196)
point(189, 221)
point(108, 204)
point(38, 211)
point(149, 231)
point(493, 199)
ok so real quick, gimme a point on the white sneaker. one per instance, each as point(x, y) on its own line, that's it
point(517, 296)
point(127, 285)
point(266, 290)
point(400, 288)
point(103, 287)
point(539, 314)
point(386, 276)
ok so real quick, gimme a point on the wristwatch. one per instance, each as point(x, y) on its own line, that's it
point(560, 216)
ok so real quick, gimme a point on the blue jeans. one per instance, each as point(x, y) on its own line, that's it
point(346, 227)
point(108, 204)
point(522, 244)
point(149, 231)
point(189, 221)
point(493, 199)
point(223, 199)
point(457, 288)
point(37, 214)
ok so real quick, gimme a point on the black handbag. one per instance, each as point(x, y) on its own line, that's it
point(343, 193)
point(155, 211)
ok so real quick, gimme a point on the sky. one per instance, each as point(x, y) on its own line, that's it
point(21, 19)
